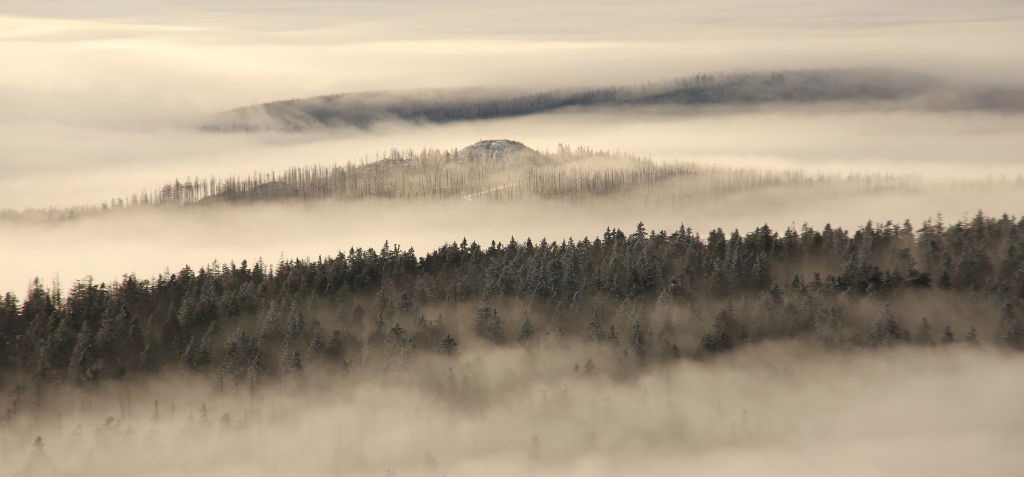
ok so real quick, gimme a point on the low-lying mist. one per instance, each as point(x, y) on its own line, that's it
point(864, 87)
point(266, 330)
point(147, 242)
point(771, 409)
point(88, 165)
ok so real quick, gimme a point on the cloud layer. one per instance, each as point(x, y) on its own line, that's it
point(779, 409)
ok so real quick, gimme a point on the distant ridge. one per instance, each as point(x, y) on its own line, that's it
point(868, 86)
point(490, 169)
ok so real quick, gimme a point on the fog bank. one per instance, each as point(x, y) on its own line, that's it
point(55, 165)
point(771, 409)
point(145, 242)
point(126, 63)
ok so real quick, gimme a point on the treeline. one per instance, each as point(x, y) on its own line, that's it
point(491, 170)
point(647, 296)
point(495, 169)
point(436, 174)
point(363, 110)
point(499, 169)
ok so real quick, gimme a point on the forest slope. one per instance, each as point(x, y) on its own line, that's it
point(646, 297)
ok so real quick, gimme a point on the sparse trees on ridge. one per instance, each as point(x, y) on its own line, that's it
point(477, 172)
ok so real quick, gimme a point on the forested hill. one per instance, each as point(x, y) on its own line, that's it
point(492, 169)
point(643, 296)
point(363, 110)
point(488, 169)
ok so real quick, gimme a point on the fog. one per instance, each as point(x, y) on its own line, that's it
point(104, 99)
point(774, 409)
point(101, 100)
point(90, 166)
point(107, 246)
point(57, 165)
point(154, 58)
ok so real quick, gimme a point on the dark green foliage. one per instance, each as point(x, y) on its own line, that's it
point(1010, 331)
point(240, 351)
point(488, 325)
point(948, 336)
point(526, 333)
point(291, 359)
point(644, 294)
point(342, 347)
point(448, 345)
point(718, 339)
point(638, 340)
point(887, 330)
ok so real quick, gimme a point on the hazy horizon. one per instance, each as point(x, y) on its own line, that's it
point(141, 142)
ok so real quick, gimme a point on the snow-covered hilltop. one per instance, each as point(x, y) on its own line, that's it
point(497, 149)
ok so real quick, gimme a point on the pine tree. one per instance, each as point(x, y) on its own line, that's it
point(316, 347)
point(718, 339)
point(1011, 332)
point(383, 303)
point(613, 337)
point(358, 315)
point(396, 339)
point(377, 333)
point(924, 333)
point(81, 355)
point(291, 359)
point(972, 336)
point(947, 335)
point(448, 345)
point(886, 330)
point(638, 340)
point(488, 325)
point(589, 367)
point(526, 333)
point(595, 332)
point(404, 303)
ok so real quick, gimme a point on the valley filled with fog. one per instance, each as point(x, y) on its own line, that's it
point(958, 163)
point(774, 410)
point(512, 238)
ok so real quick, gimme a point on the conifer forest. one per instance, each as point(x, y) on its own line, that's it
point(511, 238)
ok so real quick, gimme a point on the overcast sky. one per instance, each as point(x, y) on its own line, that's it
point(142, 63)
